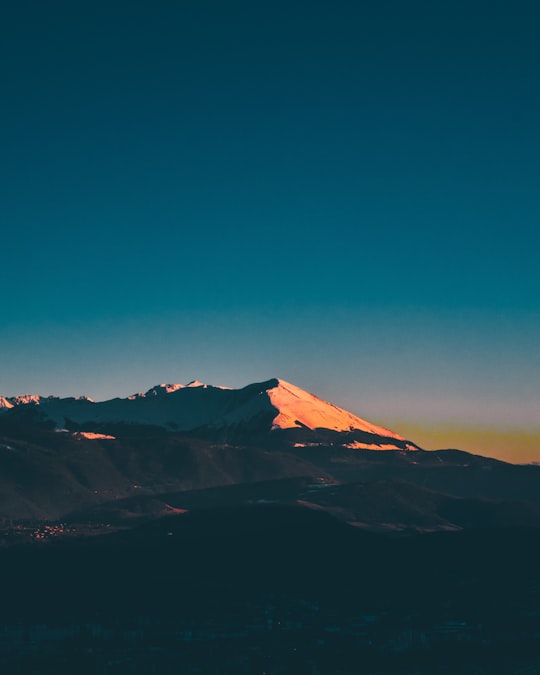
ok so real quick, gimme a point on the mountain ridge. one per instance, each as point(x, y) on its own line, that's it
point(269, 405)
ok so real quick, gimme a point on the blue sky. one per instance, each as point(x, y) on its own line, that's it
point(344, 195)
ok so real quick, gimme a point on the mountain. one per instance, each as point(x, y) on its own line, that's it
point(273, 405)
point(181, 448)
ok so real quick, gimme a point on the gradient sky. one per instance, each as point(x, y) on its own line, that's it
point(344, 195)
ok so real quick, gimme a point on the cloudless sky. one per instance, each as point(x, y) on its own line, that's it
point(341, 194)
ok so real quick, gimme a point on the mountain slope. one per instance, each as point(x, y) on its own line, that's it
point(54, 474)
point(391, 506)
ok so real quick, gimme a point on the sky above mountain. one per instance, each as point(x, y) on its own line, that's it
point(344, 195)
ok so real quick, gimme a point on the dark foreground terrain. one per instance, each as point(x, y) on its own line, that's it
point(288, 552)
point(267, 588)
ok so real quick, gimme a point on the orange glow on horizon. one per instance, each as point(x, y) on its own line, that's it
point(517, 446)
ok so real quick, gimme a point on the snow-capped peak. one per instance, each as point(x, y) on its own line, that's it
point(299, 408)
point(161, 389)
point(25, 399)
point(164, 389)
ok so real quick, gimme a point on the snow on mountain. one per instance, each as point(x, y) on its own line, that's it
point(298, 408)
point(25, 399)
point(271, 405)
point(196, 383)
point(163, 389)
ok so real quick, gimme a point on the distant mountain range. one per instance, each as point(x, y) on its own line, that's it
point(196, 407)
point(182, 448)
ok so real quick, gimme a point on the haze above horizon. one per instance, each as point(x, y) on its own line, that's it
point(342, 196)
